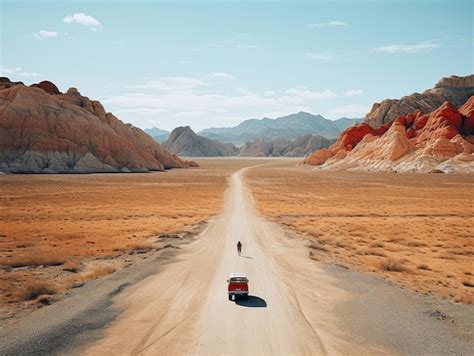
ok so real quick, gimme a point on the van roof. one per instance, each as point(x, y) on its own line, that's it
point(237, 275)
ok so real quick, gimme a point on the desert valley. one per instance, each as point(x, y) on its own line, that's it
point(60, 232)
point(205, 214)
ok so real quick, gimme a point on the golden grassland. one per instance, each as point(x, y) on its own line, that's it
point(65, 222)
point(414, 229)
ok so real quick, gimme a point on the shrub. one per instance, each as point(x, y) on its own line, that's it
point(72, 266)
point(424, 266)
point(393, 265)
point(34, 289)
point(98, 269)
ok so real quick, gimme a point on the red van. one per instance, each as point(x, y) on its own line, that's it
point(238, 286)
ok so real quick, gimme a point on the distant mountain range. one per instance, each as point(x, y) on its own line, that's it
point(184, 141)
point(286, 127)
point(158, 134)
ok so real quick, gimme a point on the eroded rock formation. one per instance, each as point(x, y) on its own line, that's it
point(44, 131)
point(184, 142)
point(439, 141)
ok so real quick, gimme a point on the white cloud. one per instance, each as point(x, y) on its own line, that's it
point(83, 19)
point(323, 56)
point(305, 93)
point(416, 48)
point(191, 100)
point(171, 84)
point(328, 24)
point(18, 71)
point(45, 34)
point(349, 111)
point(355, 92)
point(221, 75)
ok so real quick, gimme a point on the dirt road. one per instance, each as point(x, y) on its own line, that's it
point(185, 308)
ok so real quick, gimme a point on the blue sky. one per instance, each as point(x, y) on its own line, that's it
point(206, 64)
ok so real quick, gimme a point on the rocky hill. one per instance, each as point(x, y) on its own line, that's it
point(184, 142)
point(300, 147)
point(454, 89)
point(45, 131)
point(442, 141)
point(287, 127)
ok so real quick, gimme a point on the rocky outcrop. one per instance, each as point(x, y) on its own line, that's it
point(184, 142)
point(441, 141)
point(454, 89)
point(47, 86)
point(44, 131)
point(300, 147)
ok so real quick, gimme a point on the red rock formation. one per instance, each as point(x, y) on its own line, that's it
point(43, 133)
point(47, 86)
point(454, 89)
point(442, 135)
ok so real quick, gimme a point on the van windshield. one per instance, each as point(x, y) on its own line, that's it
point(239, 280)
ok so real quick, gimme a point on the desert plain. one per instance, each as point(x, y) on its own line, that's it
point(58, 231)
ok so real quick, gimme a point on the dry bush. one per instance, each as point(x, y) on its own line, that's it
point(34, 289)
point(376, 244)
point(98, 269)
point(424, 266)
point(317, 246)
point(32, 260)
point(415, 243)
point(374, 252)
point(468, 283)
point(143, 246)
point(72, 266)
point(392, 264)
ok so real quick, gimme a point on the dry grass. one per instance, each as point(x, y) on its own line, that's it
point(34, 289)
point(425, 267)
point(98, 269)
point(50, 219)
point(393, 265)
point(32, 260)
point(72, 266)
point(364, 219)
point(141, 247)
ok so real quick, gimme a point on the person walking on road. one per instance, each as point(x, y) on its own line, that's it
point(239, 247)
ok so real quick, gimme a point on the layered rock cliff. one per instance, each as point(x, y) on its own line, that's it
point(184, 142)
point(454, 89)
point(44, 131)
point(427, 139)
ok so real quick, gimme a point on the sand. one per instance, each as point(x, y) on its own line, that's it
point(85, 218)
point(419, 225)
point(177, 303)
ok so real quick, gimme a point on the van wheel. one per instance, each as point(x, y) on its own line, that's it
point(230, 296)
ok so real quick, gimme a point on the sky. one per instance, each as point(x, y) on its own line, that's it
point(215, 64)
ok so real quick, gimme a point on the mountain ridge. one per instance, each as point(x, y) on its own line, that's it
point(289, 127)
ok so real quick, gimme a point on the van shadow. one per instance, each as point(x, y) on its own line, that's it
point(251, 302)
point(246, 256)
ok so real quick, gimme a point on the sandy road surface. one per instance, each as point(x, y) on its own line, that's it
point(185, 309)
